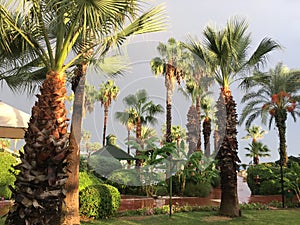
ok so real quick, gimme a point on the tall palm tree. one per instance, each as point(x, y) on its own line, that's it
point(276, 97)
point(255, 133)
point(49, 31)
point(170, 65)
point(108, 92)
point(256, 150)
point(227, 56)
point(142, 111)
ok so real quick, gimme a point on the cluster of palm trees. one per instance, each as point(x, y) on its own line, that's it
point(50, 41)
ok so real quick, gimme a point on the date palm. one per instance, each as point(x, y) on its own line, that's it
point(256, 150)
point(46, 32)
point(170, 65)
point(141, 111)
point(108, 92)
point(227, 56)
point(273, 95)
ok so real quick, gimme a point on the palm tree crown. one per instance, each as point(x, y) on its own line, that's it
point(272, 96)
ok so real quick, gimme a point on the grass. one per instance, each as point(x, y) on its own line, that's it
point(249, 217)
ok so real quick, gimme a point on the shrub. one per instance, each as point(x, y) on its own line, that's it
point(6, 176)
point(103, 166)
point(269, 187)
point(87, 179)
point(199, 189)
point(99, 201)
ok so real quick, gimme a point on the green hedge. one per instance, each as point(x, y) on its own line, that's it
point(6, 176)
point(199, 189)
point(87, 179)
point(99, 201)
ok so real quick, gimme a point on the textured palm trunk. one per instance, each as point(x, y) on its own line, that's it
point(72, 186)
point(206, 135)
point(255, 160)
point(170, 74)
point(104, 124)
point(193, 129)
point(227, 160)
point(198, 108)
point(39, 187)
point(280, 119)
point(138, 162)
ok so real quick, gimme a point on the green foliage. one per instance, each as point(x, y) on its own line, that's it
point(87, 179)
point(6, 176)
point(268, 182)
point(99, 201)
point(197, 189)
point(103, 166)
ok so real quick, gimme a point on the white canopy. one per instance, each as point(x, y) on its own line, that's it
point(13, 122)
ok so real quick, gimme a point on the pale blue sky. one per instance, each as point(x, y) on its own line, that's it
point(278, 19)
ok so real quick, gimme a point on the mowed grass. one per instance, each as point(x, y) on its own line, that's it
point(249, 217)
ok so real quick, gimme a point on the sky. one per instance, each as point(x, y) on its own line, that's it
point(277, 19)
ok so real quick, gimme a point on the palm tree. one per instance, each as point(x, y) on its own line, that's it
point(256, 150)
point(227, 56)
point(208, 110)
point(254, 132)
point(108, 92)
point(171, 67)
point(276, 97)
point(127, 118)
point(46, 32)
point(142, 111)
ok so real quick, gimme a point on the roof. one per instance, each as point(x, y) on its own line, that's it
point(114, 151)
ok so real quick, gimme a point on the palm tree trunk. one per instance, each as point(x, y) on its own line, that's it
point(138, 162)
point(169, 86)
point(71, 214)
point(39, 189)
point(256, 160)
point(192, 129)
point(227, 159)
point(198, 108)
point(104, 124)
point(206, 134)
point(281, 126)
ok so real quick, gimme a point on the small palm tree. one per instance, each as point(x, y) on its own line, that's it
point(255, 133)
point(209, 111)
point(256, 150)
point(276, 97)
point(142, 111)
point(108, 92)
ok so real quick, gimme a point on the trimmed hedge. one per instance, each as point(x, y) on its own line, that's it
point(99, 201)
point(87, 179)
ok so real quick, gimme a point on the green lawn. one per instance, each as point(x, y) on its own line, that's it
point(249, 217)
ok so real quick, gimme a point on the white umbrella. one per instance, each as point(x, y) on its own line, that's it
point(13, 122)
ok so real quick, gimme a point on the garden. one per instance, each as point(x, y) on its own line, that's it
point(60, 176)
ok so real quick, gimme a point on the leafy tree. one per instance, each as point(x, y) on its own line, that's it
point(256, 150)
point(170, 65)
point(108, 92)
point(226, 55)
point(141, 111)
point(273, 95)
point(46, 32)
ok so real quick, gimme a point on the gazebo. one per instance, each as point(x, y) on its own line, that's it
point(13, 122)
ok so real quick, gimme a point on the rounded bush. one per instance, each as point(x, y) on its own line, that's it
point(87, 179)
point(99, 201)
point(6, 176)
point(200, 189)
